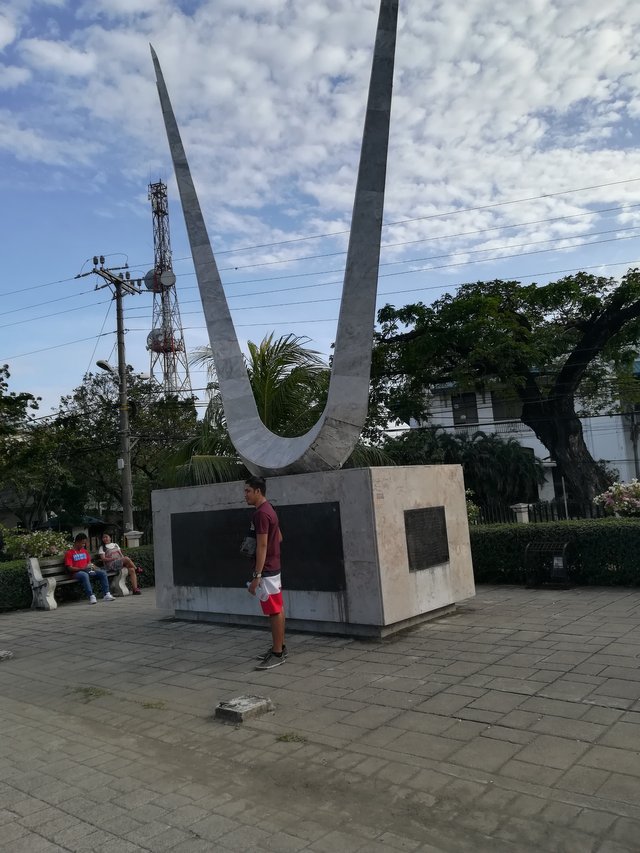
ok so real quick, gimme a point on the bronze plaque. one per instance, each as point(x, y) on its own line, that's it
point(427, 541)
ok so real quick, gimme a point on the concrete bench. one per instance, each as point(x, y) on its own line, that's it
point(46, 577)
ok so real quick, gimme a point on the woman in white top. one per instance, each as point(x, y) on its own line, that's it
point(112, 557)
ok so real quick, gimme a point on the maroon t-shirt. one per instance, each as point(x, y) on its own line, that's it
point(265, 520)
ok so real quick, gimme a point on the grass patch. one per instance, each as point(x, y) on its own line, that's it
point(88, 694)
point(291, 737)
point(154, 706)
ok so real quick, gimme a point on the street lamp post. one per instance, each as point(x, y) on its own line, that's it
point(121, 284)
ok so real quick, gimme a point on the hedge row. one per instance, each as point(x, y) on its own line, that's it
point(601, 552)
point(15, 592)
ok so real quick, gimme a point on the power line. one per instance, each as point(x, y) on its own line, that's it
point(334, 319)
point(389, 263)
point(428, 217)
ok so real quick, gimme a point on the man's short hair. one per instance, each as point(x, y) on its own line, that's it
point(80, 537)
point(258, 483)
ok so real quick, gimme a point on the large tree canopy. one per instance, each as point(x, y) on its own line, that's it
point(563, 349)
point(68, 463)
point(15, 407)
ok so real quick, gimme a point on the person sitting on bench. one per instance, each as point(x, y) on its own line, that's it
point(112, 557)
point(78, 562)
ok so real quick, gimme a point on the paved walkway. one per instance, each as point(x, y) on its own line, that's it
point(513, 725)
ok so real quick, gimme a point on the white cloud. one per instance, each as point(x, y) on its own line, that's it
point(11, 76)
point(60, 58)
point(8, 31)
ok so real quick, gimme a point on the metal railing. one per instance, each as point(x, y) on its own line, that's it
point(540, 511)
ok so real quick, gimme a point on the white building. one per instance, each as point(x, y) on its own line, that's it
point(608, 437)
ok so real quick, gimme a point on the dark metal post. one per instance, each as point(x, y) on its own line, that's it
point(125, 445)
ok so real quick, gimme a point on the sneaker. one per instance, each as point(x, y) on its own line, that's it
point(266, 654)
point(136, 592)
point(93, 599)
point(108, 597)
point(271, 660)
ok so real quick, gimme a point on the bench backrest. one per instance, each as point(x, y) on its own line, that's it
point(53, 569)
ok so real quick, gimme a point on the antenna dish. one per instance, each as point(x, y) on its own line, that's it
point(161, 341)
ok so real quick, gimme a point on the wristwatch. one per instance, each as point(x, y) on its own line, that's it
point(257, 574)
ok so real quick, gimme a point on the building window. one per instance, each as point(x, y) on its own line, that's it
point(465, 409)
point(506, 407)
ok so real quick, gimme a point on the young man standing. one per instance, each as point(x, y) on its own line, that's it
point(78, 562)
point(266, 574)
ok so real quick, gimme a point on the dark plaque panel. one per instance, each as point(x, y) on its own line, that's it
point(427, 542)
point(206, 547)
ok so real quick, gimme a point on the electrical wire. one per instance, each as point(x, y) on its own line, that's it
point(428, 217)
point(330, 319)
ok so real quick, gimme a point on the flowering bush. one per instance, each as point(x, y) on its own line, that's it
point(621, 499)
point(38, 543)
point(473, 510)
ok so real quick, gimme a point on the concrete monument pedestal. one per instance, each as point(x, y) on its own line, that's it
point(366, 551)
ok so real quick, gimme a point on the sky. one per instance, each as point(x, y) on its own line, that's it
point(513, 154)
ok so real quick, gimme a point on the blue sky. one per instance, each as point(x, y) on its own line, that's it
point(513, 154)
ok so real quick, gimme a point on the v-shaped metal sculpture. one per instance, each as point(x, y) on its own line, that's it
point(330, 442)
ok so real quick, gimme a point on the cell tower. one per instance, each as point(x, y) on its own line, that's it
point(165, 341)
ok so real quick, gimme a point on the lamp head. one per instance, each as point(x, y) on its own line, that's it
point(104, 365)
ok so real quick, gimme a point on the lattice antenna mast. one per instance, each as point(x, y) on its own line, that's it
point(165, 341)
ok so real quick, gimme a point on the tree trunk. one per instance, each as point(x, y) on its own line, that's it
point(558, 427)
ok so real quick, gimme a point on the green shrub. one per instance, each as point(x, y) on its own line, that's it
point(15, 591)
point(602, 552)
point(143, 557)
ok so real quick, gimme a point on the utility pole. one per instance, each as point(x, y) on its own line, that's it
point(122, 284)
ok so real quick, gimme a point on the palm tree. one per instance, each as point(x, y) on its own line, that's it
point(290, 384)
point(496, 470)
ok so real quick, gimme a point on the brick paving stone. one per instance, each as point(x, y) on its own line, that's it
point(444, 703)
point(419, 721)
point(397, 772)
point(526, 831)
point(213, 827)
point(573, 729)
point(567, 690)
point(485, 754)
point(430, 781)
point(525, 806)
point(582, 780)
point(397, 842)
point(555, 752)
point(554, 708)
point(626, 831)
point(626, 789)
point(494, 700)
point(617, 688)
point(193, 845)
point(562, 814)
point(463, 791)
point(609, 846)
point(465, 730)
point(610, 758)
point(533, 773)
point(593, 822)
point(428, 746)
point(603, 716)
point(508, 734)
point(623, 736)
point(281, 842)
point(342, 841)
